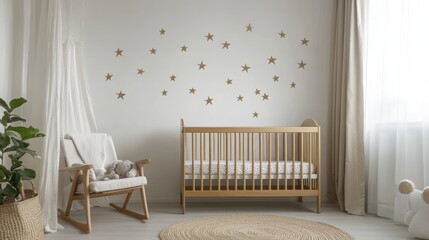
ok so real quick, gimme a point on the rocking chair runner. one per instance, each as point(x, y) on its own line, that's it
point(87, 190)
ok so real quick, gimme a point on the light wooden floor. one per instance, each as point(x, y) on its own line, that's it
point(109, 224)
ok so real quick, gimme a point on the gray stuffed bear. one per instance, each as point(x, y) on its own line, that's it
point(122, 169)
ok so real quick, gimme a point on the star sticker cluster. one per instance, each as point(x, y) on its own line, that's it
point(225, 45)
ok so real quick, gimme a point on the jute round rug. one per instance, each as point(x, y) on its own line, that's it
point(243, 226)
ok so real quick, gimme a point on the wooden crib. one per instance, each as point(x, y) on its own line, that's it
point(250, 162)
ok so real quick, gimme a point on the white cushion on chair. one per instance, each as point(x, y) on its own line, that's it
point(114, 184)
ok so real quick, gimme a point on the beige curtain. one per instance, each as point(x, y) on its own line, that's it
point(347, 124)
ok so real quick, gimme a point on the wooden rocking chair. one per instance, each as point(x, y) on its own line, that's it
point(86, 190)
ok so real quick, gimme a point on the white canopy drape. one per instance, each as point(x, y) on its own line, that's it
point(58, 88)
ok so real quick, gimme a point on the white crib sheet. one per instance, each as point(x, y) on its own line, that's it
point(248, 167)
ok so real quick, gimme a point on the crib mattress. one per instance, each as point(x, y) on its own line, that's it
point(266, 166)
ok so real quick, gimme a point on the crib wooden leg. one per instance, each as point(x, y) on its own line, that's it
point(183, 205)
point(181, 200)
point(318, 204)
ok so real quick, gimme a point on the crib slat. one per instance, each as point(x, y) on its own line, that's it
point(227, 163)
point(210, 162)
point(253, 161)
point(201, 161)
point(260, 161)
point(241, 147)
point(302, 160)
point(293, 161)
point(235, 157)
point(269, 159)
point(193, 159)
point(277, 159)
point(245, 162)
point(285, 157)
point(218, 159)
point(310, 161)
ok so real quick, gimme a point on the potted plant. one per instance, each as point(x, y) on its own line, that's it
point(15, 220)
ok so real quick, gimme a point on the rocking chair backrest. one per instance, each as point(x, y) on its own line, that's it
point(71, 154)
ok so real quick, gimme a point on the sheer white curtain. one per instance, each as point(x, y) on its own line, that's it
point(56, 66)
point(397, 100)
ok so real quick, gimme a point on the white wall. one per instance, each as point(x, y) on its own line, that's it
point(146, 124)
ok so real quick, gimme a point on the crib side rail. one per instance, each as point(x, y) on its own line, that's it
point(249, 129)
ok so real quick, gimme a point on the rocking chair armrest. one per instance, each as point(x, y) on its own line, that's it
point(142, 162)
point(77, 168)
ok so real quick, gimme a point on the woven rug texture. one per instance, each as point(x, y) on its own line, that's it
point(245, 226)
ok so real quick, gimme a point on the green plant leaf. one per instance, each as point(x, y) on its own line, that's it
point(19, 143)
point(16, 165)
point(29, 151)
point(10, 134)
point(16, 119)
point(16, 103)
point(4, 105)
point(2, 175)
point(2, 141)
point(5, 119)
point(5, 171)
point(15, 179)
point(10, 191)
point(27, 173)
point(26, 132)
point(10, 149)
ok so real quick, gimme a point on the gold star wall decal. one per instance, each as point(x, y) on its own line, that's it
point(140, 71)
point(192, 90)
point(202, 66)
point(240, 98)
point(292, 85)
point(152, 51)
point(162, 31)
point(229, 81)
point(245, 68)
point(249, 28)
point(226, 45)
point(255, 114)
point(209, 101)
point(272, 60)
point(301, 65)
point(120, 95)
point(257, 92)
point(282, 34)
point(265, 97)
point(183, 48)
point(304, 42)
point(109, 77)
point(164, 92)
point(173, 78)
point(118, 52)
point(209, 37)
point(276, 78)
